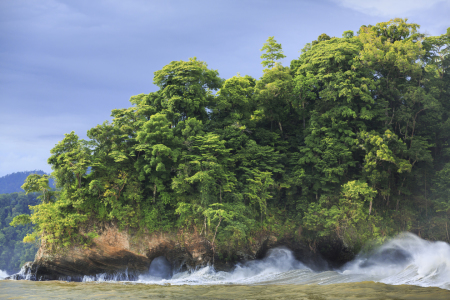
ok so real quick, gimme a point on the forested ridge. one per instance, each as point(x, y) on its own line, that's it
point(11, 183)
point(349, 142)
point(13, 252)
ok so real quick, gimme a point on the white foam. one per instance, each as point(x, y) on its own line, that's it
point(104, 277)
point(405, 259)
point(3, 274)
point(277, 262)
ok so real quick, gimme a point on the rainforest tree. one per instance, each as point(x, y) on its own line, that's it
point(350, 142)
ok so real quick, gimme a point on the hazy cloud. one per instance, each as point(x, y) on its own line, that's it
point(64, 65)
point(390, 8)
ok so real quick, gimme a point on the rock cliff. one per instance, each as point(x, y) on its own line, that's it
point(122, 253)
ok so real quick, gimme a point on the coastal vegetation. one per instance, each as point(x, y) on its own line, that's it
point(11, 183)
point(349, 142)
point(13, 252)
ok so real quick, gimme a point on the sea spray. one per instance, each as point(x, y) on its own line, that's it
point(160, 269)
point(405, 259)
point(3, 274)
point(105, 277)
point(277, 261)
point(25, 273)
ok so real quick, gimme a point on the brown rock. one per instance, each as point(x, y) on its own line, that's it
point(117, 252)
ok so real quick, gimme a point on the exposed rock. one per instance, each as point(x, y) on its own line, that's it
point(115, 251)
point(124, 254)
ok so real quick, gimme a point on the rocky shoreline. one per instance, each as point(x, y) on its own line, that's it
point(121, 255)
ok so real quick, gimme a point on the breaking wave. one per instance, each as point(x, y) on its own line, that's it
point(3, 274)
point(405, 259)
point(278, 261)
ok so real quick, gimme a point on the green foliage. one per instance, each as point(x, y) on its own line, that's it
point(348, 34)
point(273, 52)
point(186, 87)
point(20, 220)
point(36, 183)
point(350, 142)
point(69, 161)
point(321, 38)
point(394, 30)
point(14, 226)
point(12, 183)
point(259, 190)
point(344, 215)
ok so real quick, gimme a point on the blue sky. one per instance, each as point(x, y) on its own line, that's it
point(64, 65)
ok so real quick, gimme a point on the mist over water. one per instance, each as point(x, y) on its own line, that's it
point(159, 269)
point(277, 261)
point(405, 259)
point(3, 274)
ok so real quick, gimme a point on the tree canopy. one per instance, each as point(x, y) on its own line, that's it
point(14, 253)
point(11, 183)
point(272, 53)
point(349, 142)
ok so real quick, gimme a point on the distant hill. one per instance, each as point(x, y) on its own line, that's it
point(11, 183)
point(13, 252)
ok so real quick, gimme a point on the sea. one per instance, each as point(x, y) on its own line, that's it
point(405, 267)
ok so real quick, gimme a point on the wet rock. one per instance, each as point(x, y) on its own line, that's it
point(117, 252)
point(122, 254)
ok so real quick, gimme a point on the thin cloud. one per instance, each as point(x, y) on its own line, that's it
point(64, 65)
point(390, 8)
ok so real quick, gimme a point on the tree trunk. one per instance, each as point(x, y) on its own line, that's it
point(214, 239)
point(426, 202)
point(154, 193)
point(79, 180)
point(389, 194)
point(304, 124)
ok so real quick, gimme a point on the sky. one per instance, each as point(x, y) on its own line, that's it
point(64, 65)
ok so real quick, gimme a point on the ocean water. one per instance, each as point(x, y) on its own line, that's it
point(10, 289)
point(406, 267)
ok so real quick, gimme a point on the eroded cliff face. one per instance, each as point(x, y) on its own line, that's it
point(117, 251)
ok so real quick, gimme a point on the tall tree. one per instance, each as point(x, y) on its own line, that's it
point(36, 183)
point(272, 53)
point(70, 160)
point(186, 87)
